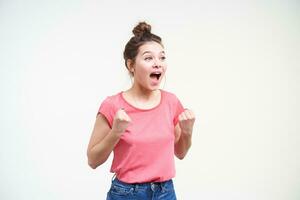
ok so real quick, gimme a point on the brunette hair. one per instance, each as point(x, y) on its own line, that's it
point(142, 34)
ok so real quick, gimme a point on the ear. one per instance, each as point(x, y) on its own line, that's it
point(130, 65)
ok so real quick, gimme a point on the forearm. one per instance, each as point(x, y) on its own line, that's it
point(182, 145)
point(99, 153)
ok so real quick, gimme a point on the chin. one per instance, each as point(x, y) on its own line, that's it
point(153, 88)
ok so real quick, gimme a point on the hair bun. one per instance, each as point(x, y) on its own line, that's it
point(141, 29)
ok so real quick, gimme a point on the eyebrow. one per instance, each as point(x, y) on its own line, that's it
point(152, 52)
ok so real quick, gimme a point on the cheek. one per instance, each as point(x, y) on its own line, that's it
point(143, 68)
point(165, 68)
point(141, 73)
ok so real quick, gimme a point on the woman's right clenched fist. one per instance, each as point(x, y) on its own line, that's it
point(121, 122)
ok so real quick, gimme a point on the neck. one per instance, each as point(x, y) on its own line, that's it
point(142, 93)
point(142, 98)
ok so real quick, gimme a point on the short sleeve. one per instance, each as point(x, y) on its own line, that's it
point(107, 109)
point(178, 110)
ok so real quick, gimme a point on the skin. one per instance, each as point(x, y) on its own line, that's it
point(143, 94)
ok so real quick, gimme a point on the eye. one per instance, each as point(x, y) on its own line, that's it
point(163, 58)
point(148, 58)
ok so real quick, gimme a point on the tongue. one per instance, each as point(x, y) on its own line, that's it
point(154, 79)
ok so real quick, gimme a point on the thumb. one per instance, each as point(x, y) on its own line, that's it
point(124, 115)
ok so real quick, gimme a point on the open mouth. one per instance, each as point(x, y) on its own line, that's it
point(155, 75)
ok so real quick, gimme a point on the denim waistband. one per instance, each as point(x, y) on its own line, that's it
point(161, 190)
point(116, 180)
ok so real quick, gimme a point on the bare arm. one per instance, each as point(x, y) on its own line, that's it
point(102, 142)
point(104, 139)
point(183, 143)
point(183, 133)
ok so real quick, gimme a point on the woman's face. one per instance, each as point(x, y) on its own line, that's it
point(149, 66)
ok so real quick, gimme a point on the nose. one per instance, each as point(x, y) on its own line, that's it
point(157, 63)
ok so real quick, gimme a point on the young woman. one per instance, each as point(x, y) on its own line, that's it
point(144, 126)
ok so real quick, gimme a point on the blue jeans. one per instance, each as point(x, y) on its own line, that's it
point(141, 191)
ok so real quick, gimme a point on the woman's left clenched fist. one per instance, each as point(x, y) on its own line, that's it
point(186, 121)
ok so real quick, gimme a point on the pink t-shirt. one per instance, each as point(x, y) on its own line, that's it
point(145, 152)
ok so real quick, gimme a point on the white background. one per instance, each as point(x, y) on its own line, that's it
point(235, 63)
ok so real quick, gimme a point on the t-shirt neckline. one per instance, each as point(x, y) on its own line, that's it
point(141, 109)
